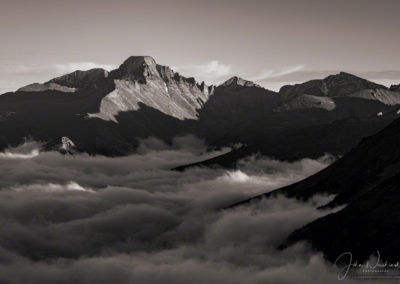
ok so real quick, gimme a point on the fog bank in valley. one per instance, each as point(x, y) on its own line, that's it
point(86, 219)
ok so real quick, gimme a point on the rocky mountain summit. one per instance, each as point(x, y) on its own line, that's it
point(141, 80)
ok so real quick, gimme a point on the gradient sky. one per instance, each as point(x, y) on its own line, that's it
point(271, 42)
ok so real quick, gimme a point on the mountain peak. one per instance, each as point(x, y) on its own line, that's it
point(346, 83)
point(137, 68)
point(343, 76)
point(395, 88)
point(140, 60)
point(342, 73)
point(237, 81)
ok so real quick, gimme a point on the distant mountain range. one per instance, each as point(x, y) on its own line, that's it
point(107, 113)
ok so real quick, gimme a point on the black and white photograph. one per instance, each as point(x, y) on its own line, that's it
point(199, 141)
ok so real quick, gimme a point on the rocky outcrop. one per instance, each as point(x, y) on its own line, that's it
point(140, 80)
point(395, 88)
point(66, 143)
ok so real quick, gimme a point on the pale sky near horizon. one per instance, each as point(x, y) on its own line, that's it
point(271, 42)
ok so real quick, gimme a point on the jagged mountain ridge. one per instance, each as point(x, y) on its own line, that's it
point(141, 80)
point(107, 112)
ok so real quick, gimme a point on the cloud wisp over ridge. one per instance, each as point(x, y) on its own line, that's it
point(268, 74)
point(211, 71)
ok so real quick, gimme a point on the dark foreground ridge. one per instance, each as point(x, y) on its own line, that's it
point(366, 180)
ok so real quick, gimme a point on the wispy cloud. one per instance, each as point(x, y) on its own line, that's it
point(21, 69)
point(70, 67)
point(210, 69)
point(267, 74)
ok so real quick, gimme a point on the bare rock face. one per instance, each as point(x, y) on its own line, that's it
point(137, 68)
point(141, 80)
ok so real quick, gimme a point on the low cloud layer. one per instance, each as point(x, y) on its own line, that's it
point(82, 219)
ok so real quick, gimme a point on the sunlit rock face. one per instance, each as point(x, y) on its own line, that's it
point(141, 80)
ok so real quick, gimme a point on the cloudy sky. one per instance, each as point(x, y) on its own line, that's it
point(271, 42)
